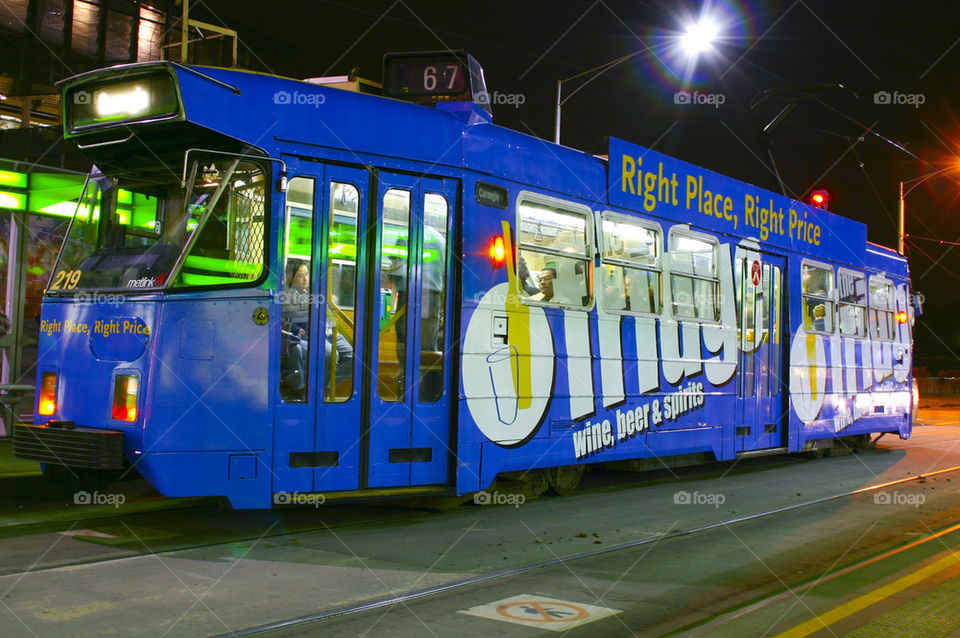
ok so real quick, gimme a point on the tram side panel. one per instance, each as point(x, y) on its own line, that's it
point(539, 386)
point(845, 385)
point(208, 423)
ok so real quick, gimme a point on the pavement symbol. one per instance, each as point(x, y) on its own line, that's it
point(540, 612)
point(87, 533)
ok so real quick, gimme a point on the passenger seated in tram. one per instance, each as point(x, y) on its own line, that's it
point(546, 279)
point(815, 310)
point(296, 331)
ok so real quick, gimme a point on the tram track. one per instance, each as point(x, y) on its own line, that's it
point(611, 481)
point(282, 530)
point(615, 481)
point(387, 602)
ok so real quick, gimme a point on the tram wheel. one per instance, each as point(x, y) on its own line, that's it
point(564, 480)
point(530, 484)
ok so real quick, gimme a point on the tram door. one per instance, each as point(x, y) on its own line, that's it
point(408, 429)
point(760, 300)
point(321, 328)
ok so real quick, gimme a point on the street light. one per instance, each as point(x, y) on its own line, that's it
point(902, 211)
point(698, 38)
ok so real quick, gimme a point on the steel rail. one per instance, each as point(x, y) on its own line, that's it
point(390, 601)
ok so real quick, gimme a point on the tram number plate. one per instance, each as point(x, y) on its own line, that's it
point(66, 279)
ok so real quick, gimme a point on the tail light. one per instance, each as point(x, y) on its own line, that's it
point(125, 397)
point(47, 401)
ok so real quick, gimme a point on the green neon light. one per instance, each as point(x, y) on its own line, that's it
point(251, 270)
point(61, 209)
point(12, 200)
point(395, 251)
point(10, 178)
point(49, 189)
point(193, 279)
point(343, 250)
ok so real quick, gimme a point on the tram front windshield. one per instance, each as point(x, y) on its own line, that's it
point(143, 232)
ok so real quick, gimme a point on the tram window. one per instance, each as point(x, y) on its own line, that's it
point(694, 282)
point(775, 301)
point(748, 309)
point(341, 269)
point(394, 267)
point(553, 251)
point(763, 294)
point(630, 270)
point(227, 246)
point(131, 230)
point(852, 303)
point(433, 297)
point(881, 309)
point(296, 299)
point(817, 289)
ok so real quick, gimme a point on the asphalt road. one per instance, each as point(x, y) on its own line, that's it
point(129, 581)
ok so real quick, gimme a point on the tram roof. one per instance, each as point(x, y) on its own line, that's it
point(266, 110)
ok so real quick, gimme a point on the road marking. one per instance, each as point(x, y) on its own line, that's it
point(823, 621)
point(87, 533)
point(539, 612)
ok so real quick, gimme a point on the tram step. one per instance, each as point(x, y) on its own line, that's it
point(770, 451)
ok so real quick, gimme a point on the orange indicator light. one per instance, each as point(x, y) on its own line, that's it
point(497, 252)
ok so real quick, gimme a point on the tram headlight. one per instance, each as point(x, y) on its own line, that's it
point(125, 391)
point(111, 101)
point(47, 397)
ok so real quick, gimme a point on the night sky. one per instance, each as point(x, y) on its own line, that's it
point(895, 120)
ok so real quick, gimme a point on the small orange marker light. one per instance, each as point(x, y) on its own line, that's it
point(902, 317)
point(497, 252)
point(47, 401)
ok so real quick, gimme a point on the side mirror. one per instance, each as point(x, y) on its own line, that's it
point(916, 300)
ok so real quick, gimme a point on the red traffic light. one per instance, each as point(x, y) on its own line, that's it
point(820, 198)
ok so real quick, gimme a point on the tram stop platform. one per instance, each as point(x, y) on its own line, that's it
point(11, 466)
point(29, 501)
point(910, 590)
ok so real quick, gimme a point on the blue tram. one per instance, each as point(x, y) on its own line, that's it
point(274, 288)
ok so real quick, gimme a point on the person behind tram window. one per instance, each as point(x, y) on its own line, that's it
point(526, 281)
point(819, 317)
point(344, 353)
point(546, 279)
point(815, 310)
point(393, 277)
point(434, 285)
point(296, 327)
